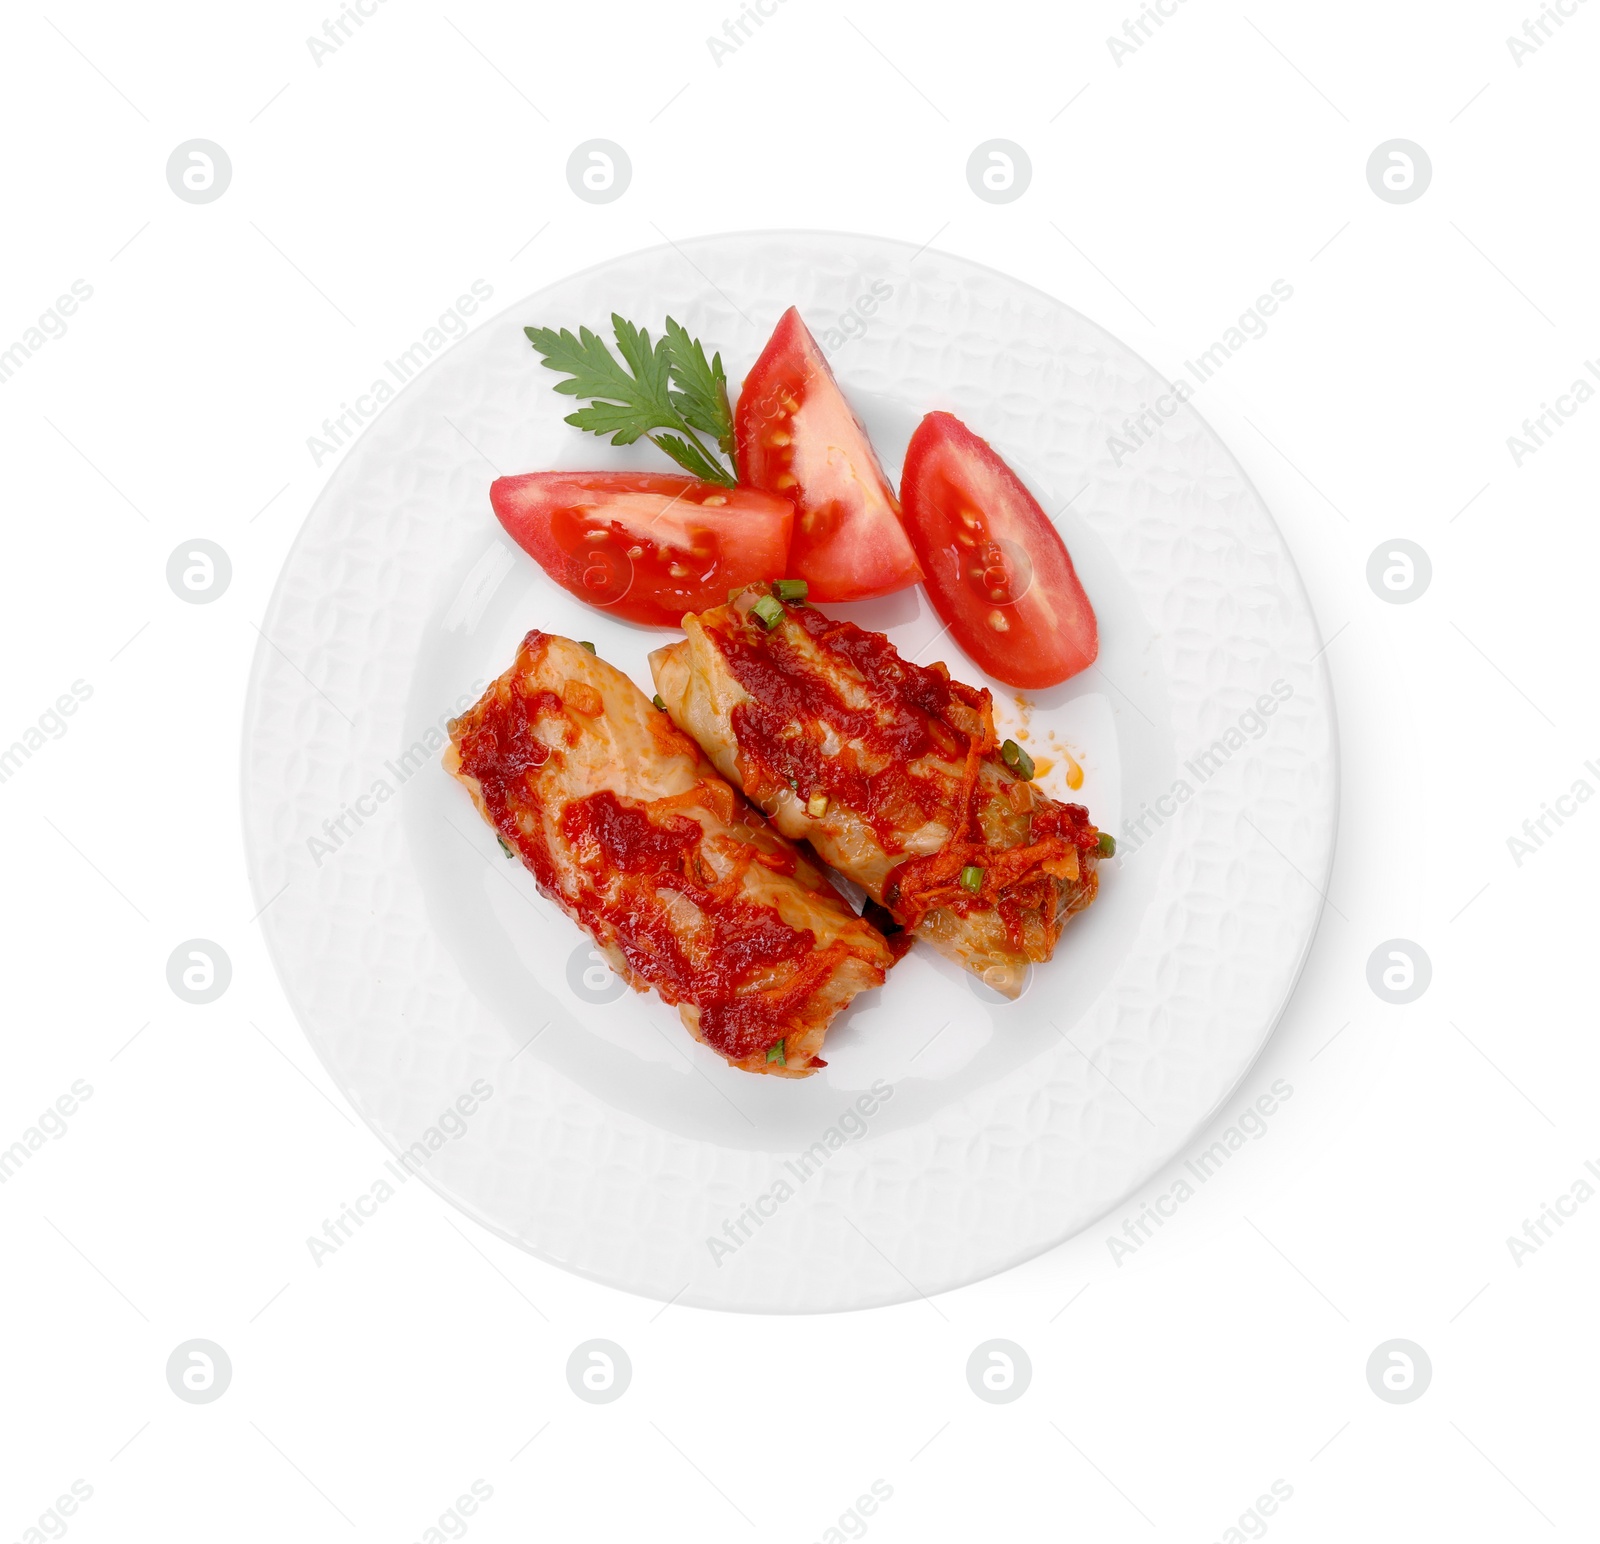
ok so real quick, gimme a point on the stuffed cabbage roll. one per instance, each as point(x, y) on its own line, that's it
point(684, 888)
point(890, 770)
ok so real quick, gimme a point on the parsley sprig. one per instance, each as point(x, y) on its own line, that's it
point(664, 390)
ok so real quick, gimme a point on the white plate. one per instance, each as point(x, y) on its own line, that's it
point(422, 964)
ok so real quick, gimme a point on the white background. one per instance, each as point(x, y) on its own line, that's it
point(1169, 1391)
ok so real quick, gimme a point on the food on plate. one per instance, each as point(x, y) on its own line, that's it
point(682, 886)
point(796, 435)
point(994, 565)
point(891, 771)
point(664, 391)
point(647, 546)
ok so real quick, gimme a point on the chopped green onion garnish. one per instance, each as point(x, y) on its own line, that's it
point(768, 612)
point(790, 589)
point(583, 643)
point(658, 702)
point(1108, 845)
point(775, 1052)
point(972, 878)
point(1017, 759)
point(505, 846)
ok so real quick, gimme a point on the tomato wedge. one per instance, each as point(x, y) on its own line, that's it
point(796, 435)
point(996, 570)
point(647, 546)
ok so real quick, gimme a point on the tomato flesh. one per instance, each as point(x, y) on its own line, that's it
point(796, 435)
point(994, 565)
point(645, 546)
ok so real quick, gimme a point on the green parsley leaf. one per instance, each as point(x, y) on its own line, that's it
point(692, 458)
point(594, 369)
point(775, 1052)
point(703, 387)
point(633, 398)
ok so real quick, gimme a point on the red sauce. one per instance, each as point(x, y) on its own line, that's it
point(1068, 820)
point(714, 969)
point(627, 838)
point(911, 712)
point(625, 858)
point(498, 746)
